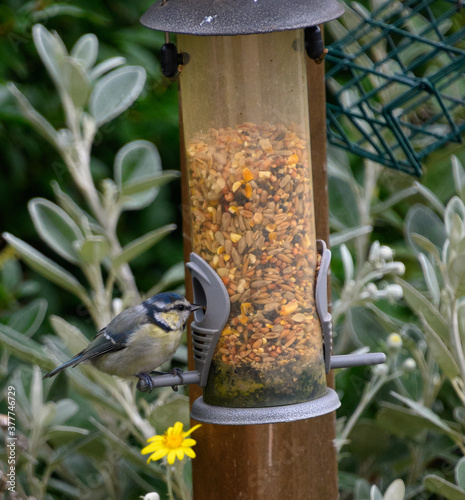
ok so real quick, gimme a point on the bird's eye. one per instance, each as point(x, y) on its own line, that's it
point(181, 307)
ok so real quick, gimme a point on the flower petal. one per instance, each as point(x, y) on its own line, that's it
point(159, 454)
point(156, 438)
point(189, 442)
point(190, 431)
point(171, 456)
point(177, 428)
point(180, 453)
point(150, 448)
point(189, 452)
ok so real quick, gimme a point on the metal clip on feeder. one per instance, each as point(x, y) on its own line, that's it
point(207, 327)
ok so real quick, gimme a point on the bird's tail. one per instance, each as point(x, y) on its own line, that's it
point(72, 362)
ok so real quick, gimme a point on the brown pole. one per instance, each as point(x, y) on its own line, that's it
point(286, 461)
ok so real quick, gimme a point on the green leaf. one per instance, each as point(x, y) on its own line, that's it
point(51, 50)
point(64, 446)
point(342, 190)
point(456, 273)
point(429, 415)
point(142, 244)
point(37, 394)
point(66, 408)
point(366, 327)
point(81, 217)
point(56, 228)
point(93, 249)
point(348, 263)
point(134, 162)
point(458, 173)
point(172, 277)
point(430, 196)
point(460, 473)
point(401, 421)
point(63, 9)
point(368, 440)
point(454, 219)
point(395, 491)
point(436, 484)
point(115, 92)
point(59, 435)
point(346, 235)
point(46, 267)
point(28, 319)
point(440, 351)
point(10, 274)
point(362, 490)
point(176, 410)
point(23, 348)
point(42, 126)
point(128, 452)
point(427, 245)
point(375, 494)
point(430, 277)
point(75, 82)
point(73, 338)
point(85, 50)
point(423, 221)
point(419, 303)
point(150, 182)
point(106, 66)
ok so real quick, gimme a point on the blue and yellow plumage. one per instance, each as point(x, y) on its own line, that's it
point(138, 340)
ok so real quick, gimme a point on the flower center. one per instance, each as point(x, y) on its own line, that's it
point(174, 441)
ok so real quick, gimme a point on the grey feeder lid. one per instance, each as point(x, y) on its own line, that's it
point(203, 412)
point(238, 17)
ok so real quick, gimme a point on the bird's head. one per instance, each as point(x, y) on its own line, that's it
point(169, 310)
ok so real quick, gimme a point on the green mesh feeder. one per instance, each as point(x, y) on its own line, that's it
point(396, 83)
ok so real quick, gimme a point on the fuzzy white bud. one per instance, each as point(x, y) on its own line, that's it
point(380, 370)
point(396, 268)
point(409, 365)
point(151, 496)
point(394, 292)
point(394, 342)
point(372, 289)
point(385, 252)
point(117, 305)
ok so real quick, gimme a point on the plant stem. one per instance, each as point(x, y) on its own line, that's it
point(456, 341)
point(369, 393)
point(168, 480)
point(179, 475)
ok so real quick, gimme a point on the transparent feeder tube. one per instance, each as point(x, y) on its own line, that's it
point(246, 130)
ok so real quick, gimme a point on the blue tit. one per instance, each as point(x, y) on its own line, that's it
point(138, 340)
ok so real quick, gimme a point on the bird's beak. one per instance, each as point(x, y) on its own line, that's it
point(195, 307)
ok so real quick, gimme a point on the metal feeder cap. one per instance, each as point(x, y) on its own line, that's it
point(238, 17)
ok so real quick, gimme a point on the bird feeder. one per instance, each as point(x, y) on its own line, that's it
point(263, 345)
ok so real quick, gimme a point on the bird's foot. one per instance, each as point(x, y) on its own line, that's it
point(145, 382)
point(178, 372)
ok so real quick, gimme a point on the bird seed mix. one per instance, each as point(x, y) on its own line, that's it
point(253, 222)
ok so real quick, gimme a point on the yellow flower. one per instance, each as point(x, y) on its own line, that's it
point(172, 443)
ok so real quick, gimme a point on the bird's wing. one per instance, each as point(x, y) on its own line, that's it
point(115, 335)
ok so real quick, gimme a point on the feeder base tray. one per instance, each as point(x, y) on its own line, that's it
point(203, 412)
